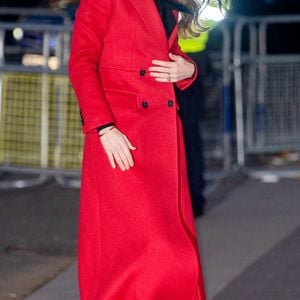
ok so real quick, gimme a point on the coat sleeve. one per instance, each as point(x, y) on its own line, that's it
point(91, 24)
point(185, 83)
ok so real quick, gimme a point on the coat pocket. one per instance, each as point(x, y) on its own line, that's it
point(122, 99)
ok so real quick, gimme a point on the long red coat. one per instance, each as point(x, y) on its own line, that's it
point(137, 238)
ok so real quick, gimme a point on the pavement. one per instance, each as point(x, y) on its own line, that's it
point(38, 236)
point(249, 240)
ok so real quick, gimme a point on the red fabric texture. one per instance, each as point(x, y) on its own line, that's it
point(137, 238)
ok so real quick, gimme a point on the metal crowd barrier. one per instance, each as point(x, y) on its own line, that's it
point(216, 126)
point(40, 131)
point(267, 93)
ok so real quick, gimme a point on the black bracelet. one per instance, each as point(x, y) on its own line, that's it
point(105, 126)
point(106, 131)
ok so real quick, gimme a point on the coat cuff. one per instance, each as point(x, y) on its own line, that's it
point(185, 83)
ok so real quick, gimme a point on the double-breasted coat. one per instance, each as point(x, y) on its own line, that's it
point(137, 238)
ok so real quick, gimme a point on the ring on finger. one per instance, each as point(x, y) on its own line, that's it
point(169, 77)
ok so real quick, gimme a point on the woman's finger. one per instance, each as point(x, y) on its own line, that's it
point(122, 153)
point(175, 57)
point(130, 146)
point(165, 80)
point(119, 161)
point(160, 75)
point(159, 69)
point(108, 152)
point(128, 156)
point(163, 63)
point(111, 160)
point(125, 156)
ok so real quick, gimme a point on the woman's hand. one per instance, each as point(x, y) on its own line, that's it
point(172, 71)
point(117, 148)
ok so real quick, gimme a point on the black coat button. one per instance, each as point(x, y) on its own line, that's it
point(145, 104)
point(142, 72)
point(170, 103)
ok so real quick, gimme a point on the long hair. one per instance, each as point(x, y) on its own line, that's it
point(189, 24)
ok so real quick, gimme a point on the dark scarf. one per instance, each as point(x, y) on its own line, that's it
point(165, 8)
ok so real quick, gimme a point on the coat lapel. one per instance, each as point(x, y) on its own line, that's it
point(149, 13)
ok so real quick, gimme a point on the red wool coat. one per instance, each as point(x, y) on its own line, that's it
point(137, 238)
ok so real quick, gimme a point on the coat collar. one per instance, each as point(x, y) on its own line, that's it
point(150, 15)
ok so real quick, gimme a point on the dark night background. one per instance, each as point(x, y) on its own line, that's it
point(266, 7)
point(281, 38)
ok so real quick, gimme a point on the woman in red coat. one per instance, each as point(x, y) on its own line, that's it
point(137, 239)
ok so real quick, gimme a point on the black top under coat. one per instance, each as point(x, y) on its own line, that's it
point(165, 8)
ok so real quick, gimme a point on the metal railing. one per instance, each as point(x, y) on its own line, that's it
point(267, 93)
point(216, 125)
point(39, 122)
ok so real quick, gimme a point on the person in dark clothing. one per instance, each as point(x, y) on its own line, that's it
point(192, 104)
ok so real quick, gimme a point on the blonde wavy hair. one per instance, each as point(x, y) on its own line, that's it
point(190, 24)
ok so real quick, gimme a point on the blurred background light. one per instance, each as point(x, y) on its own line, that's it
point(37, 60)
point(53, 63)
point(18, 33)
point(33, 60)
point(213, 14)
